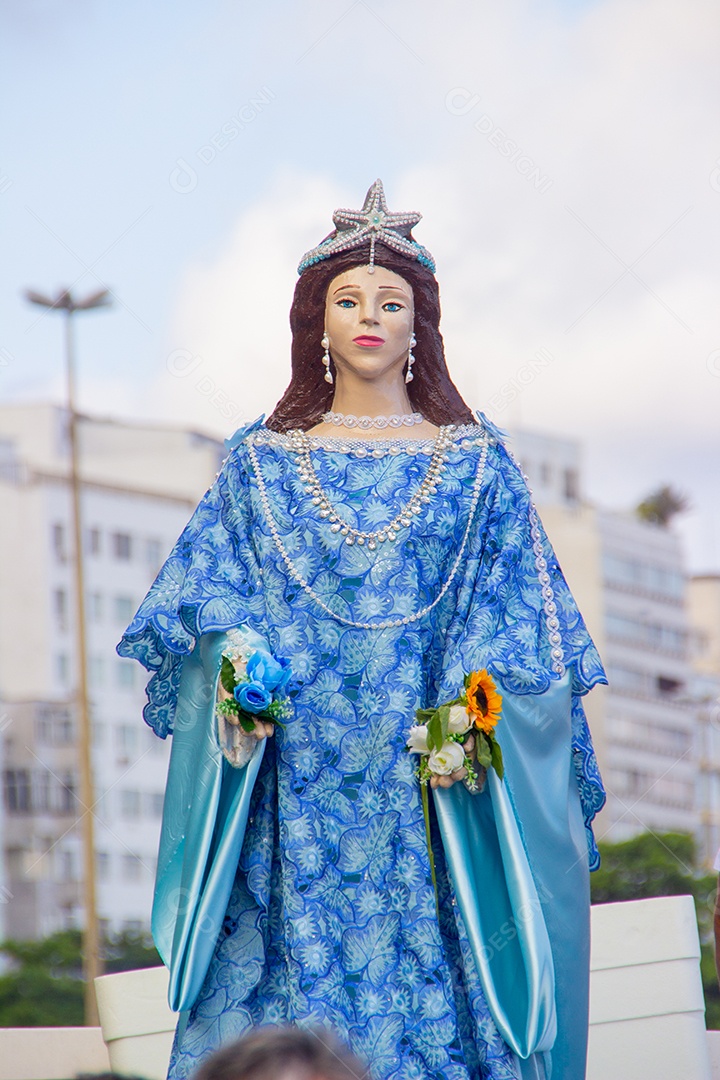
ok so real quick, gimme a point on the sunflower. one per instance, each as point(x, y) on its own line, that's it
point(484, 703)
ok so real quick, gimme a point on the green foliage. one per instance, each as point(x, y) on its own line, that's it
point(497, 758)
point(647, 865)
point(483, 749)
point(437, 732)
point(663, 865)
point(227, 675)
point(129, 952)
point(31, 997)
point(661, 506)
point(43, 986)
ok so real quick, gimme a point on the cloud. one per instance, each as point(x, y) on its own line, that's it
point(563, 162)
point(228, 351)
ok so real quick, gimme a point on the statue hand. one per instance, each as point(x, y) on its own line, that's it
point(262, 730)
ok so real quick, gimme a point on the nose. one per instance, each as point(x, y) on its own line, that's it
point(368, 313)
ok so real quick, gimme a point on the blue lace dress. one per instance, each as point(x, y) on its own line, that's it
point(332, 917)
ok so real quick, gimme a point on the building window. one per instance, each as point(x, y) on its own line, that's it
point(60, 608)
point(66, 866)
point(130, 804)
point(41, 793)
point(668, 686)
point(102, 865)
point(153, 554)
point(155, 801)
point(125, 674)
point(66, 794)
point(126, 739)
point(94, 603)
point(98, 734)
point(59, 542)
point(132, 868)
point(54, 726)
point(93, 541)
point(62, 668)
point(628, 680)
point(632, 573)
point(64, 730)
point(122, 546)
point(124, 609)
point(651, 635)
point(44, 730)
point(545, 473)
point(571, 485)
point(18, 792)
point(96, 670)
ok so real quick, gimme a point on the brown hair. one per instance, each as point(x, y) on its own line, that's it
point(269, 1053)
point(432, 391)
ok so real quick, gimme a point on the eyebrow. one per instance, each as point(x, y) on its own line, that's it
point(393, 288)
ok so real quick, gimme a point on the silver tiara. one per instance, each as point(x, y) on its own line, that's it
point(353, 229)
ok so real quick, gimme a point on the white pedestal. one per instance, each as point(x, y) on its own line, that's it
point(646, 1005)
point(51, 1053)
point(137, 1023)
point(647, 1015)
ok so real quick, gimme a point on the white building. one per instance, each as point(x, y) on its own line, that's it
point(704, 602)
point(629, 580)
point(140, 484)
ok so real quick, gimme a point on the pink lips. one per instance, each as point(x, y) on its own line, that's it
point(369, 342)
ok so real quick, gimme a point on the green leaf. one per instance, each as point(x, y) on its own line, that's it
point(444, 714)
point(497, 758)
point(227, 675)
point(423, 716)
point(435, 734)
point(483, 749)
point(247, 723)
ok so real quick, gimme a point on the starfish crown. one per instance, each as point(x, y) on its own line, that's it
point(373, 223)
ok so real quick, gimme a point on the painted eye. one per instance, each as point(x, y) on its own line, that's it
point(392, 306)
point(346, 302)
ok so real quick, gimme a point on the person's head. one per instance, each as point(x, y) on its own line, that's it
point(276, 1053)
point(308, 395)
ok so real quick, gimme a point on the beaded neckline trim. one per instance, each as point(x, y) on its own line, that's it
point(464, 437)
point(366, 423)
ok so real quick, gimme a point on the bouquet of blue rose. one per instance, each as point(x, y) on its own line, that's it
point(255, 685)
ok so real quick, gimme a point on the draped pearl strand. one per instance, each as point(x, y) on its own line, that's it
point(297, 576)
point(403, 519)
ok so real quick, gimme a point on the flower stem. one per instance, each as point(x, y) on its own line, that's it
point(428, 838)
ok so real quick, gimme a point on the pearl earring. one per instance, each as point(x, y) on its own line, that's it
point(411, 360)
point(325, 342)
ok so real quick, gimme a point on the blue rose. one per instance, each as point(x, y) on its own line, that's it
point(264, 668)
point(252, 697)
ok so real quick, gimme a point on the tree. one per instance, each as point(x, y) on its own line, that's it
point(663, 865)
point(661, 506)
point(43, 986)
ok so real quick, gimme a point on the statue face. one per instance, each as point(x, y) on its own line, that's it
point(369, 321)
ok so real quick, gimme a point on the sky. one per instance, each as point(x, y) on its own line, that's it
point(565, 157)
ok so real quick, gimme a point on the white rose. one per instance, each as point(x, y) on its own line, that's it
point(417, 739)
point(458, 720)
point(447, 759)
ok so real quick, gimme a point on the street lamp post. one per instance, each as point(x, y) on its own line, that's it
point(92, 964)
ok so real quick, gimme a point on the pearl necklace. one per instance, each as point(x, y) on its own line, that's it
point(385, 624)
point(403, 519)
point(365, 423)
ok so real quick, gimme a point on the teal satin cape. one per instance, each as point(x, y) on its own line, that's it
point(516, 853)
